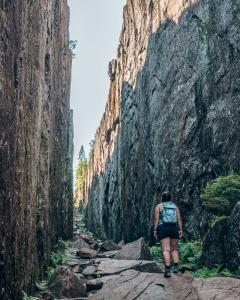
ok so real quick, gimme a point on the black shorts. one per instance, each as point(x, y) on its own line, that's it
point(167, 230)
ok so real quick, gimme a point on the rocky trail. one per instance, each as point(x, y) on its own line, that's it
point(103, 270)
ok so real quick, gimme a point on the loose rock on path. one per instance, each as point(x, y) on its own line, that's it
point(103, 270)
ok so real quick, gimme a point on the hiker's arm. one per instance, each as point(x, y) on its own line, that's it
point(179, 220)
point(156, 218)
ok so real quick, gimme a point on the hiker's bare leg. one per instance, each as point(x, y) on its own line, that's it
point(174, 250)
point(165, 244)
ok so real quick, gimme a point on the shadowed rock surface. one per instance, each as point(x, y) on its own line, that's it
point(221, 245)
point(172, 118)
point(35, 139)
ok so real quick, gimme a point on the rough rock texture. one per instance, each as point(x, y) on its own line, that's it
point(107, 266)
point(132, 285)
point(221, 245)
point(35, 139)
point(80, 243)
point(233, 239)
point(120, 279)
point(86, 253)
point(135, 250)
point(65, 283)
point(214, 245)
point(172, 118)
point(109, 246)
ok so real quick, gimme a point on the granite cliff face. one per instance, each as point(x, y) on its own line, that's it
point(172, 117)
point(35, 139)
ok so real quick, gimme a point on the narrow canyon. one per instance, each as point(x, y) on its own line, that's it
point(171, 123)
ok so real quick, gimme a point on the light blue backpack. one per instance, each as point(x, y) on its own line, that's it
point(169, 214)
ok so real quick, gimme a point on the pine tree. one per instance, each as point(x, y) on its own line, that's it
point(81, 170)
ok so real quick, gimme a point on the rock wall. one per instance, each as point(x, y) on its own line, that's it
point(35, 139)
point(172, 117)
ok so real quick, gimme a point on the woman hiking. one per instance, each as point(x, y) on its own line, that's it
point(168, 230)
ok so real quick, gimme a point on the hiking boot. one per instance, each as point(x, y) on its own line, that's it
point(167, 273)
point(175, 269)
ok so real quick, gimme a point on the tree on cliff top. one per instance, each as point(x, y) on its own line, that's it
point(81, 170)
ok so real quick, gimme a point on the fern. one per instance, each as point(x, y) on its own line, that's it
point(189, 254)
point(217, 219)
point(156, 253)
point(42, 286)
point(50, 272)
point(63, 244)
point(214, 272)
point(58, 258)
point(26, 297)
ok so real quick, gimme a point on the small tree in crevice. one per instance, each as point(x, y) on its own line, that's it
point(72, 46)
point(79, 193)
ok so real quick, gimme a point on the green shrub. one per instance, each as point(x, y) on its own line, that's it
point(189, 258)
point(26, 297)
point(189, 254)
point(222, 193)
point(62, 245)
point(50, 272)
point(214, 272)
point(59, 258)
point(42, 286)
point(156, 253)
point(217, 219)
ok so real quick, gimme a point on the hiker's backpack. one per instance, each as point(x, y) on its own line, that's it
point(169, 214)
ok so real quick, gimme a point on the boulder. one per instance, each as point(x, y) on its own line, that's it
point(89, 270)
point(87, 253)
point(94, 284)
point(64, 283)
point(109, 254)
point(96, 246)
point(121, 243)
point(150, 267)
point(132, 284)
point(83, 263)
point(135, 250)
point(88, 239)
point(80, 243)
point(106, 266)
point(109, 246)
point(46, 296)
point(76, 269)
point(220, 288)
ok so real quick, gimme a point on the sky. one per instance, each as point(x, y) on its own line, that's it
point(96, 25)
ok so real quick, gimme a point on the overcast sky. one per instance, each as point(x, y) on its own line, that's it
point(96, 24)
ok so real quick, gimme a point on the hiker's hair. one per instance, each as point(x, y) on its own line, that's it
point(166, 197)
point(158, 195)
